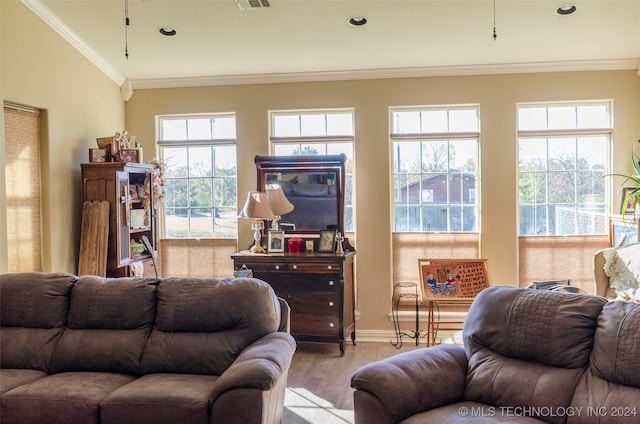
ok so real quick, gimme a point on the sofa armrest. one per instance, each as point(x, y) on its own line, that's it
point(405, 384)
point(285, 316)
point(260, 365)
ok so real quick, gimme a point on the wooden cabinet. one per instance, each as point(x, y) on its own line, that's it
point(318, 287)
point(126, 186)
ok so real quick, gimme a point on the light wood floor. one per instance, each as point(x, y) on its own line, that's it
point(318, 389)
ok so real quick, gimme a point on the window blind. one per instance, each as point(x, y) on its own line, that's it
point(22, 173)
point(198, 258)
point(555, 258)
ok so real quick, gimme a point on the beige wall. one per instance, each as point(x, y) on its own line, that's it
point(3, 182)
point(79, 103)
point(497, 96)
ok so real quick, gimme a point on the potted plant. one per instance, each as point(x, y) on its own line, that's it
point(631, 186)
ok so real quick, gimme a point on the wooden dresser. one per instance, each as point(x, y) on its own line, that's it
point(318, 287)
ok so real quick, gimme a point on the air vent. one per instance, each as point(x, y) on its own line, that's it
point(252, 4)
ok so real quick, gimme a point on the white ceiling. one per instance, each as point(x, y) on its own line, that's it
point(302, 40)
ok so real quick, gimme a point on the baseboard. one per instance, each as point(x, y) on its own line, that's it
point(451, 333)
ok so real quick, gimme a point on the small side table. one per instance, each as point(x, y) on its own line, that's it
point(396, 297)
point(433, 305)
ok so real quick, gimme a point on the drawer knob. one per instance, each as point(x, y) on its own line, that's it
point(331, 325)
point(277, 267)
point(295, 267)
point(330, 303)
point(328, 266)
point(331, 283)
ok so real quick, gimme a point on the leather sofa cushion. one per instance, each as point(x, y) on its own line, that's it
point(547, 327)
point(112, 303)
point(75, 396)
point(108, 325)
point(611, 385)
point(473, 413)
point(617, 341)
point(12, 378)
point(35, 300)
point(203, 324)
point(33, 313)
point(174, 398)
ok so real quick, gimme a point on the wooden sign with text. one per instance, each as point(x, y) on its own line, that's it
point(452, 278)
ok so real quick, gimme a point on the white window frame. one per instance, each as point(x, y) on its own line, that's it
point(323, 141)
point(554, 133)
point(189, 142)
point(424, 134)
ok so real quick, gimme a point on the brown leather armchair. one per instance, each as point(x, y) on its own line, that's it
point(529, 356)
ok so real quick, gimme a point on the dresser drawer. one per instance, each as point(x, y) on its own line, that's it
point(263, 266)
point(303, 284)
point(313, 303)
point(314, 267)
point(315, 325)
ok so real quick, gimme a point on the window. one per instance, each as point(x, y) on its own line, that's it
point(22, 178)
point(435, 169)
point(325, 132)
point(199, 153)
point(563, 158)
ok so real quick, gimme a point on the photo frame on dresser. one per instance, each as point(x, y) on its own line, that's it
point(327, 241)
point(276, 241)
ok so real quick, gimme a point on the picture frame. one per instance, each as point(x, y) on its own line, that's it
point(99, 155)
point(276, 241)
point(327, 241)
point(452, 278)
point(623, 230)
point(630, 207)
point(106, 143)
point(125, 155)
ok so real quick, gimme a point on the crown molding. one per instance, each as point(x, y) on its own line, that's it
point(436, 71)
point(65, 32)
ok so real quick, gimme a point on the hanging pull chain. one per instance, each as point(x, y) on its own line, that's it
point(495, 35)
point(126, 29)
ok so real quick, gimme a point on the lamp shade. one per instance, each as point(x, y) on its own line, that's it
point(278, 202)
point(257, 206)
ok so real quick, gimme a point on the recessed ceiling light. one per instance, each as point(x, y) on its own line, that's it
point(357, 20)
point(567, 9)
point(168, 31)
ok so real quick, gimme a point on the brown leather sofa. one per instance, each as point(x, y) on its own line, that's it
point(529, 356)
point(141, 350)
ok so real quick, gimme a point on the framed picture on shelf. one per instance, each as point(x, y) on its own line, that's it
point(452, 278)
point(129, 156)
point(327, 242)
point(106, 143)
point(623, 230)
point(276, 241)
point(627, 204)
point(99, 155)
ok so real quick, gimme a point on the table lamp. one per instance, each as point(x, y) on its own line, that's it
point(278, 203)
point(257, 208)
